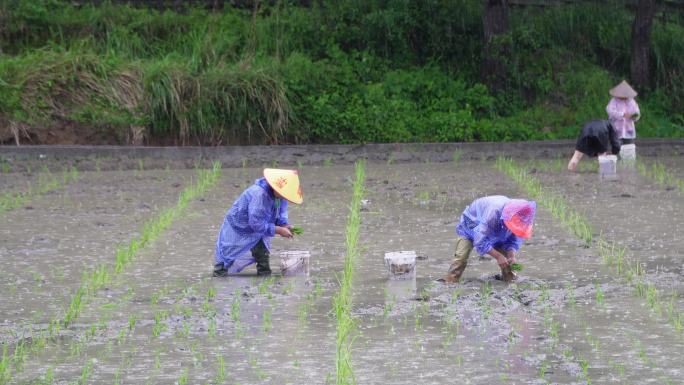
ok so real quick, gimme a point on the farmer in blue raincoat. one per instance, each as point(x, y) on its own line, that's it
point(494, 225)
point(258, 214)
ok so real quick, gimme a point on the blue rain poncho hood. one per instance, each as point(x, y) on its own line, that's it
point(253, 217)
point(482, 223)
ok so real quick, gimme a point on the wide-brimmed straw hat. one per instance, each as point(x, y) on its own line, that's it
point(518, 216)
point(285, 183)
point(623, 90)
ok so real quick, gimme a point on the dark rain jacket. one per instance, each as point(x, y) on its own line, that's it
point(595, 136)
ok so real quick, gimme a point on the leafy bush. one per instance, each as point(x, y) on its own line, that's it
point(344, 71)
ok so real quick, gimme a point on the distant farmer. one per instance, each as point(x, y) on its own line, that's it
point(623, 111)
point(258, 214)
point(494, 225)
point(594, 140)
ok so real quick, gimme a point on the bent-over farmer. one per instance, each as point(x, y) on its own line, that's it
point(494, 225)
point(258, 214)
point(594, 140)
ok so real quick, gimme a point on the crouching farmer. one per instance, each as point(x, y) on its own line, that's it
point(258, 214)
point(594, 140)
point(494, 225)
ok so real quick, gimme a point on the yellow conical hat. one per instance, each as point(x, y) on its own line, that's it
point(623, 90)
point(285, 183)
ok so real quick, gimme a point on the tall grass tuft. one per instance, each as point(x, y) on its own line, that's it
point(343, 301)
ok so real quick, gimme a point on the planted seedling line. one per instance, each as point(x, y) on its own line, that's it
point(660, 175)
point(343, 301)
point(102, 274)
point(612, 255)
point(633, 272)
point(559, 209)
point(47, 182)
point(556, 204)
point(160, 318)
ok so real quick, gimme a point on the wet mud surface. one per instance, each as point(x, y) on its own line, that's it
point(567, 319)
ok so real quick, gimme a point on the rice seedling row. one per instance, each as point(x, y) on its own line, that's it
point(661, 175)
point(46, 182)
point(613, 256)
point(92, 281)
point(343, 301)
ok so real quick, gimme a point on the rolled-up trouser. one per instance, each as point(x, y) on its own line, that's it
point(463, 249)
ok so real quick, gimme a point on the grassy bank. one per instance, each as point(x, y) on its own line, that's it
point(346, 72)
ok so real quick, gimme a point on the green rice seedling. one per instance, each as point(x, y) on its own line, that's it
point(211, 329)
point(183, 378)
point(599, 294)
point(584, 364)
point(141, 164)
point(157, 359)
point(303, 313)
point(328, 162)
point(121, 337)
point(516, 266)
point(132, 319)
point(570, 295)
point(48, 377)
point(653, 298)
point(296, 230)
point(220, 369)
point(267, 324)
point(5, 365)
point(235, 308)
point(185, 329)
point(117, 376)
point(211, 293)
point(543, 367)
point(159, 325)
point(86, 372)
point(299, 164)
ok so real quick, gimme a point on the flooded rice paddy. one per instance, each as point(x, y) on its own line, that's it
point(568, 319)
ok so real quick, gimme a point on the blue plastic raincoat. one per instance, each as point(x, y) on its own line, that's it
point(481, 223)
point(252, 218)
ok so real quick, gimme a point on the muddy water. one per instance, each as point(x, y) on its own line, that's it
point(47, 244)
point(634, 212)
point(567, 319)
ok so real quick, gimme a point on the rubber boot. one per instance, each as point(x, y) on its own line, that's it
point(220, 270)
point(507, 274)
point(455, 271)
point(262, 256)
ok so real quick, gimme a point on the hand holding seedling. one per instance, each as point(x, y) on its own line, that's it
point(296, 230)
point(516, 266)
point(283, 232)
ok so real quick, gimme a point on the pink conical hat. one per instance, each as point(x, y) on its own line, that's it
point(518, 216)
point(623, 90)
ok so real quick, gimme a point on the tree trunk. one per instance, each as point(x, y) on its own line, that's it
point(495, 23)
point(641, 44)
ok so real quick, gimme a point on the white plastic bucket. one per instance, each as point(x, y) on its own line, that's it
point(294, 262)
point(401, 264)
point(607, 166)
point(628, 152)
